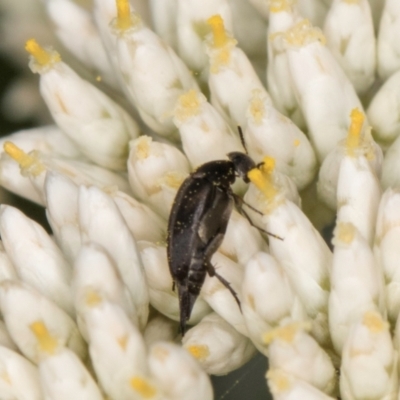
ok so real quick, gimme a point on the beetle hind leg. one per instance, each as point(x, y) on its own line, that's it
point(212, 272)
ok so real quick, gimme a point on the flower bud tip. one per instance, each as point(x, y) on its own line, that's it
point(354, 134)
point(144, 388)
point(24, 160)
point(42, 57)
point(47, 343)
point(219, 34)
point(200, 352)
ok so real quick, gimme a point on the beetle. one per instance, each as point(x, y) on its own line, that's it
point(197, 225)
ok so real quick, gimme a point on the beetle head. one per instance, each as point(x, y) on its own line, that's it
point(242, 164)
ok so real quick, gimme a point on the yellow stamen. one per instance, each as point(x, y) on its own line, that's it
point(200, 352)
point(286, 333)
point(25, 161)
point(47, 343)
point(123, 15)
point(374, 322)
point(219, 34)
point(144, 388)
point(173, 179)
point(354, 135)
point(41, 56)
point(143, 147)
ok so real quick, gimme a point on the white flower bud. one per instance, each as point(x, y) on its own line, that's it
point(241, 240)
point(230, 67)
point(47, 139)
point(388, 39)
point(28, 314)
point(217, 346)
point(5, 338)
point(160, 328)
point(297, 246)
point(155, 76)
point(387, 249)
point(154, 170)
point(284, 14)
point(369, 362)
point(264, 275)
point(349, 32)
point(353, 272)
point(12, 180)
point(219, 297)
point(97, 125)
point(20, 378)
point(205, 134)
point(37, 260)
point(358, 144)
point(270, 133)
point(316, 76)
point(95, 272)
point(142, 221)
point(159, 280)
point(76, 30)
point(7, 270)
point(36, 164)
point(285, 387)
point(358, 195)
point(178, 374)
point(116, 347)
point(102, 223)
point(62, 212)
point(192, 28)
point(64, 377)
point(383, 112)
point(294, 351)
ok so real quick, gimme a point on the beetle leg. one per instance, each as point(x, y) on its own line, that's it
point(212, 272)
point(239, 204)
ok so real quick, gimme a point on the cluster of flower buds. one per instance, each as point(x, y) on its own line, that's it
point(92, 312)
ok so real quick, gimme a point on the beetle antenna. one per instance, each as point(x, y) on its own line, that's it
point(242, 138)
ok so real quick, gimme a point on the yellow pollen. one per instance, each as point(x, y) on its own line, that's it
point(173, 179)
point(143, 147)
point(144, 388)
point(24, 160)
point(41, 56)
point(268, 166)
point(345, 232)
point(200, 352)
point(286, 333)
point(188, 105)
point(219, 34)
point(354, 134)
point(92, 298)
point(123, 15)
point(303, 33)
point(263, 182)
point(296, 143)
point(374, 322)
point(279, 380)
point(47, 343)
